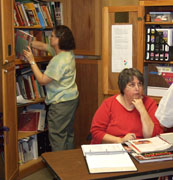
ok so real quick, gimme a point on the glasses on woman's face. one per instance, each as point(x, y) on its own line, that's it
point(134, 85)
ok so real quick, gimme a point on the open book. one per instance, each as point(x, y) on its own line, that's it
point(154, 144)
point(102, 158)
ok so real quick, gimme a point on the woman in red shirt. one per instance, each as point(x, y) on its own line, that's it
point(128, 115)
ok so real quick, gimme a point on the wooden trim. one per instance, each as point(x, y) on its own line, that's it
point(113, 9)
point(156, 2)
point(105, 48)
point(30, 167)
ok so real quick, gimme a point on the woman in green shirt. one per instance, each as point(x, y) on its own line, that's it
point(59, 79)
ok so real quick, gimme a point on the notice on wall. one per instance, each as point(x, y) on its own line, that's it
point(121, 47)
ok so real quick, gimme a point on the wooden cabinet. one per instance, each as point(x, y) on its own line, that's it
point(10, 120)
point(145, 7)
point(123, 17)
point(8, 89)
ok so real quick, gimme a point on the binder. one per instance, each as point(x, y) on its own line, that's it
point(102, 158)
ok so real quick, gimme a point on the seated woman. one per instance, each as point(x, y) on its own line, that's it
point(128, 115)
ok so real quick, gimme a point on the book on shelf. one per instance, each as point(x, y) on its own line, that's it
point(46, 15)
point(28, 121)
point(22, 40)
point(41, 108)
point(26, 20)
point(102, 158)
point(151, 145)
point(33, 119)
point(28, 149)
point(32, 14)
point(19, 16)
point(59, 13)
point(40, 15)
point(41, 120)
point(160, 77)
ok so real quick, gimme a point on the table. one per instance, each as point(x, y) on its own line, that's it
point(71, 165)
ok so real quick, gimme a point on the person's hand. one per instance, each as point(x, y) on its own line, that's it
point(29, 56)
point(129, 136)
point(138, 103)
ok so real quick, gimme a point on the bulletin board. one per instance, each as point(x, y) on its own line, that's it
point(119, 44)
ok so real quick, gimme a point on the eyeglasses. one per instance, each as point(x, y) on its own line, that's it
point(133, 85)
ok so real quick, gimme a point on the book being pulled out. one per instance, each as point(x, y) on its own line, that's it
point(22, 40)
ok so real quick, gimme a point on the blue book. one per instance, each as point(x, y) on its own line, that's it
point(39, 15)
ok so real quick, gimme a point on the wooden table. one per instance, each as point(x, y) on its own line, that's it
point(71, 165)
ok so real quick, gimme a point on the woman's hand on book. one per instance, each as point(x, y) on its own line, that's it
point(129, 136)
point(29, 56)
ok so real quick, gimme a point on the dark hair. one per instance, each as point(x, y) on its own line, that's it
point(126, 76)
point(66, 39)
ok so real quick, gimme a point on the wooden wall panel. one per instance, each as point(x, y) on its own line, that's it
point(87, 81)
point(86, 25)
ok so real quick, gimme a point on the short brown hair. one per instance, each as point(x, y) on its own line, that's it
point(66, 39)
point(126, 76)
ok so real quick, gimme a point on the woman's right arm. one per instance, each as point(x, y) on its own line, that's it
point(114, 139)
point(40, 45)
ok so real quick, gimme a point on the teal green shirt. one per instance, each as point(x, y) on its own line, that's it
point(62, 70)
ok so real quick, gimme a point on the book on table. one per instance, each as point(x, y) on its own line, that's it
point(102, 158)
point(158, 148)
point(153, 157)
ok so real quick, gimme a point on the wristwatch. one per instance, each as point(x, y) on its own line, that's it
point(32, 63)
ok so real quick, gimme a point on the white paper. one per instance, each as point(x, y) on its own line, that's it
point(107, 158)
point(21, 100)
point(121, 47)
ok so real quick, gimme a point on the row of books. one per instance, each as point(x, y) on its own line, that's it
point(38, 14)
point(24, 38)
point(28, 87)
point(32, 147)
point(159, 42)
point(28, 149)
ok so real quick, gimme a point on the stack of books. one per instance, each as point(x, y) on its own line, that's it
point(159, 148)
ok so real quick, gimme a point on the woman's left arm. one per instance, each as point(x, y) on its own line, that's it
point(147, 123)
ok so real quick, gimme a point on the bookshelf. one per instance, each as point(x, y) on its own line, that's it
point(40, 29)
point(145, 8)
point(86, 67)
point(8, 105)
point(137, 18)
